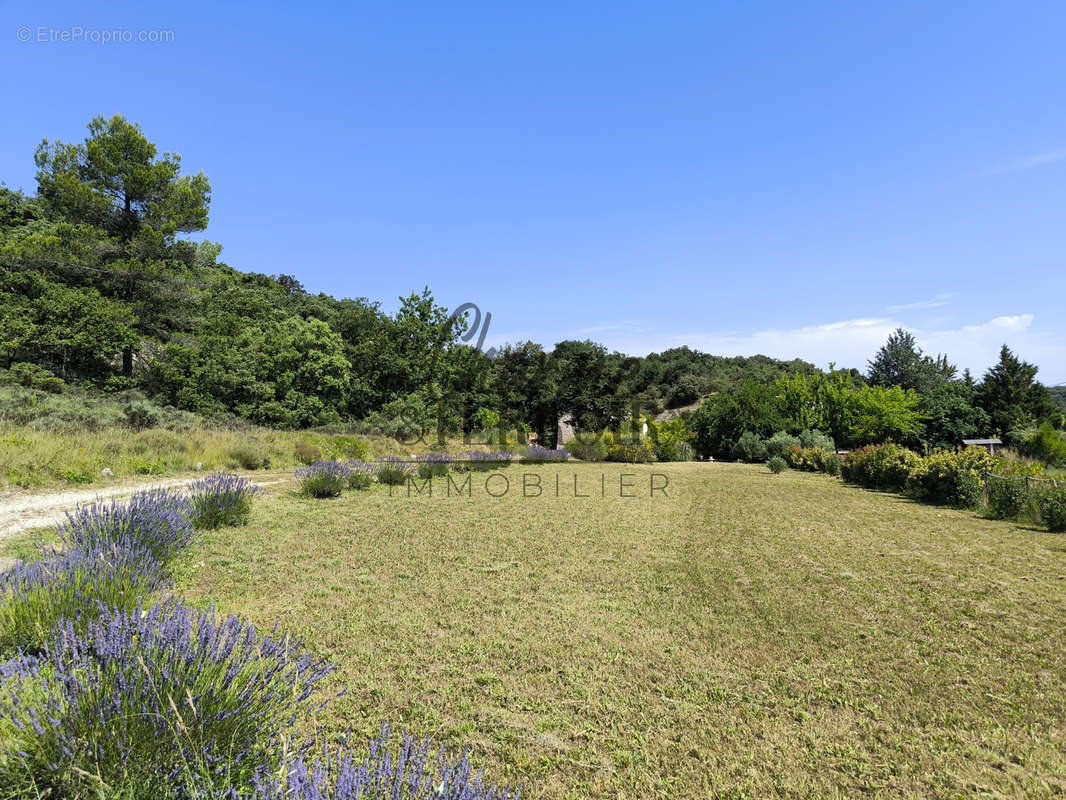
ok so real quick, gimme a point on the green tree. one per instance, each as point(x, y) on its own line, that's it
point(116, 181)
point(900, 362)
point(1011, 396)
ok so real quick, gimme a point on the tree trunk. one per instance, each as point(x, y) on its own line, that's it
point(127, 362)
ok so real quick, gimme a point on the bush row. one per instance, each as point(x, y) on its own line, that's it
point(971, 478)
point(108, 689)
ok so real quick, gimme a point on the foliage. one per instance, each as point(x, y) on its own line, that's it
point(886, 466)
point(416, 772)
point(162, 698)
point(324, 479)
point(722, 419)
point(484, 461)
point(543, 455)
point(587, 447)
point(749, 447)
point(434, 465)
point(1007, 498)
point(306, 453)
point(157, 520)
point(817, 439)
point(33, 376)
point(779, 444)
point(813, 459)
point(900, 362)
point(1011, 396)
point(392, 470)
point(362, 475)
point(777, 464)
point(951, 415)
point(1053, 509)
point(221, 499)
point(1047, 445)
point(950, 478)
point(630, 450)
point(75, 585)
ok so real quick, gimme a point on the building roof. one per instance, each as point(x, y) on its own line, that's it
point(981, 441)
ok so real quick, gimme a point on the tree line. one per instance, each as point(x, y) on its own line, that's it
point(100, 284)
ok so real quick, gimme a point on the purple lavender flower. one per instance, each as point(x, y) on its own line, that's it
point(542, 455)
point(221, 499)
point(415, 772)
point(324, 478)
point(165, 697)
point(159, 520)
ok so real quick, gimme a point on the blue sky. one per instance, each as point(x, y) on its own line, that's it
point(792, 179)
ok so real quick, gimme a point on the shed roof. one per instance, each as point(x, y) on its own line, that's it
point(981, 441)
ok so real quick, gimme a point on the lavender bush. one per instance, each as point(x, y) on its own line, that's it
point(415, 772)
point(161, 699)
point(392, 470)
point(324, 478)
point(434, 465)
point(542, 455)
point(221, 499)
point(78, 585)
point(158, 520)
point(362, 475)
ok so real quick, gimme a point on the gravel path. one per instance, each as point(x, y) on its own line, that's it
point(21, 512)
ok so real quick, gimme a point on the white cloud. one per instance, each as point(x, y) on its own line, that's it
point(1026, 163)
point(851, 343)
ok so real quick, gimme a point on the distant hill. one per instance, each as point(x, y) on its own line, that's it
point(1058, 394)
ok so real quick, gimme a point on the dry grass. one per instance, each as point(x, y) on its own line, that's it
point(748, 636)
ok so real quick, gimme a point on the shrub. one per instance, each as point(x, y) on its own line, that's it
point(392, 470)
point(815, 438)
point(250, 457)
point(749, 447)
point(1047, 444)
point(832, 464)
point(417, 772)
point(884, 466)
point(77, 585)
point(1053, 509)
point(163, 699)
point(306, 453)
point(73, 476)
point(1006, 497)
point(140, 416)
point(952, 479)
point(221, 499)
point(543, 455)
point(631, 451)
point(159, 521)
point(362, 475)
point(323, 479)
point(673, 451)
point(33, 376)
point(434, 465)
point(482, 461)
point(587, 447)
point(780, 443)
point(777, 464)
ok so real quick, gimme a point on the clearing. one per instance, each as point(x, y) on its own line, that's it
point(747, 635)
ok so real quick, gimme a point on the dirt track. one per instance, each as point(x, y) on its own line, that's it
point(24, 511)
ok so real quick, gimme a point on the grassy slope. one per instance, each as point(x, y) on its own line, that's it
point(750, 636)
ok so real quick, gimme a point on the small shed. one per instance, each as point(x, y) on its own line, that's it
point(988, 444)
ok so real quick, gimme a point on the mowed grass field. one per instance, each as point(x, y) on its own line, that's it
point(747, 635)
